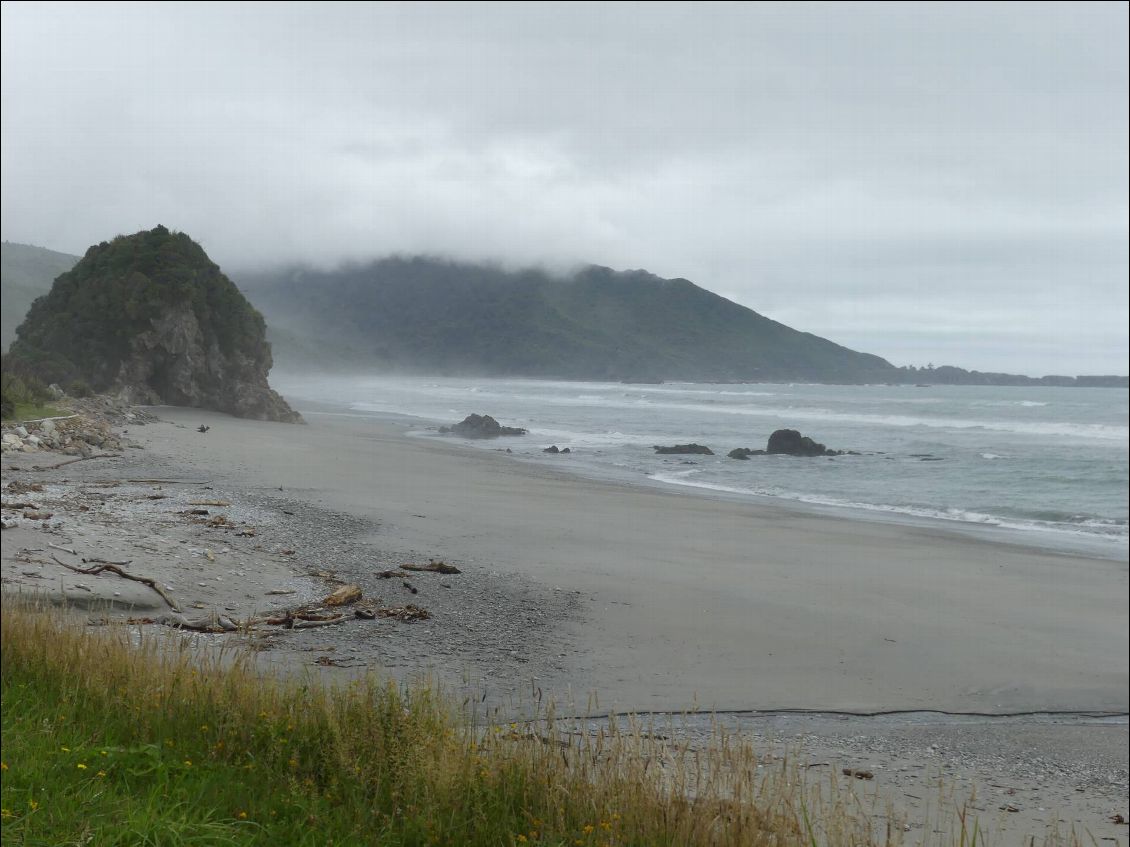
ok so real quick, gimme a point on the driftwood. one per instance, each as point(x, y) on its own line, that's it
point(433, 567)
point(94, 560)
point(343, 596)
point(858, 774)
point(393, 574)
point(212, 623)
point(72, 461)
point(405, 613)
point(64, 549)
point(144, 580)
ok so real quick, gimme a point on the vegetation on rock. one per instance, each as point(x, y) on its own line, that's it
point(152, 315)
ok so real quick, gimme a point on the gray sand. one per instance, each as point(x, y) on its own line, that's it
point(690, 601)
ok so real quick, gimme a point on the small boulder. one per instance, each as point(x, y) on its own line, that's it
point(551, 449)
point(680, 449)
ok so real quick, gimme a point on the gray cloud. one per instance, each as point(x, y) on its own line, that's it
point(927, 182)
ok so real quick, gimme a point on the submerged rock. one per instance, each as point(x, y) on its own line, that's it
point(481, 426)
point(678, 449)
point(744, 453)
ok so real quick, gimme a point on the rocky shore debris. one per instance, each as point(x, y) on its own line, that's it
point(858, 773)
point(553, 449)
point(480, 426)
point(71, 435)
point(683, 449)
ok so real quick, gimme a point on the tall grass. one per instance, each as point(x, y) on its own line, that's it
point(109, 741)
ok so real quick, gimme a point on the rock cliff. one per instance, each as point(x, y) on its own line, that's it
point(151, 317)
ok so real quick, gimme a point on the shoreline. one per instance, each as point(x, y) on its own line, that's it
point(1078, 543)
point(600, 538)
point(528, 615)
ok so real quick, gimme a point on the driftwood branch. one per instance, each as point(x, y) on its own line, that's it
point(96, 560)
point(72, 461)
point(433, 567)
point(112, 568)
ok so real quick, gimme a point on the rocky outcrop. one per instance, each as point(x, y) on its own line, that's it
point(172, 363)
point(151, 318)
point(481, 426)
point(789, 442)
point(553, 450)
point(682, 449)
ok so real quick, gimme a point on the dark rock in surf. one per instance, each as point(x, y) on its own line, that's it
point(680, 449)
point(744, 453)
point(481, 426)
point(789, 442)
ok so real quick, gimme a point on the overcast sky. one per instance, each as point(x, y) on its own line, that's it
point(932, 183)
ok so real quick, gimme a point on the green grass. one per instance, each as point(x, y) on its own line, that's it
point(107, 741)
point(32, 412)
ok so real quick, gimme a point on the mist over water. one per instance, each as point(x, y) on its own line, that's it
point(1052, 462)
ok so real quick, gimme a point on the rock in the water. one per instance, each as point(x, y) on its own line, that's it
point(551, 449)
point(150, 317)
point(678, 449)
point(481, 426)
point(744, 453)
point(791, 443)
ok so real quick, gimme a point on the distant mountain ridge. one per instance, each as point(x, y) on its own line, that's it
point(26, 272)
point(436, 316)
point(444, 317)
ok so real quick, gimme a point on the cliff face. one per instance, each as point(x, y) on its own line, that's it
point(151, 317)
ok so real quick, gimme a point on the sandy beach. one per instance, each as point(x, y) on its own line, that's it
point(628, 598)
point(687, 600)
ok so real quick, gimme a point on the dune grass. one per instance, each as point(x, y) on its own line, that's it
point(114, 739)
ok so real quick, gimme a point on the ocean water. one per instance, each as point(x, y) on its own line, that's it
point(1050, 463)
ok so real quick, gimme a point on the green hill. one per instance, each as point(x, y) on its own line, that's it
point(150, 316)
point(419, 314)
point(26, 272)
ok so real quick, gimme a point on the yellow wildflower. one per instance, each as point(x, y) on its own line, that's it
point(33, 804)
point(588, 828)
point(81, 766)
point(188, 763)
point(101, 773)
point(521, 839)
point(243, 816)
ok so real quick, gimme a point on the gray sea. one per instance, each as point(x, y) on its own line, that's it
point(1046, 466)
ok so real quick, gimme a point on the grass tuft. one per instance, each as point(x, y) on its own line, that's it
point(114, 741)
